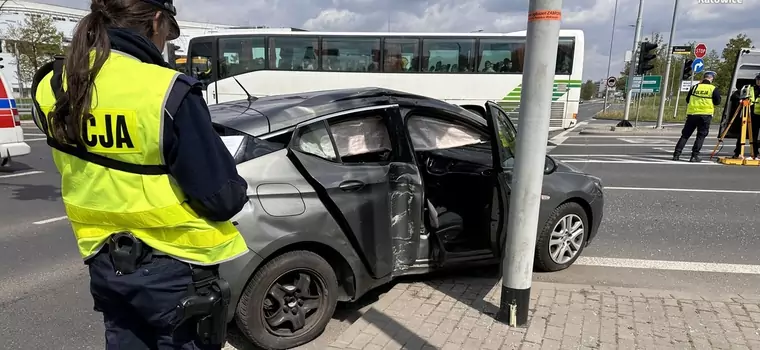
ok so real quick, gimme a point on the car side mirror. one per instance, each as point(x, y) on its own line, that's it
point(550, 166)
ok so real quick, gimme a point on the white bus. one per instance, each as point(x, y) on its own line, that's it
point(460, 68)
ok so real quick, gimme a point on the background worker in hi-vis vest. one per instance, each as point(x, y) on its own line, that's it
point(754, 100)
point(148, 186)
point(701, 100)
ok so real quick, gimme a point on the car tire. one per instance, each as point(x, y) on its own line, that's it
point(543, 259)
point(256, 303)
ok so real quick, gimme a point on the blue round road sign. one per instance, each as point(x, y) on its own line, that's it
point(698, 65)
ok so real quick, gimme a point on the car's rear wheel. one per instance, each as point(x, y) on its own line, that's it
point(562, 239)
point(289, 301)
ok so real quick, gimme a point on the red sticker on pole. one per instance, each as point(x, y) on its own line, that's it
point(700, 50)
point(545, 15)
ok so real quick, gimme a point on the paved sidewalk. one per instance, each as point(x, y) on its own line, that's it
point(458, 314)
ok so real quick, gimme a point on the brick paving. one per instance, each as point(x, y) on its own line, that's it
point(459, 314)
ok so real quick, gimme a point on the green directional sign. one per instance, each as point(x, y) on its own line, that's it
point(650, 84)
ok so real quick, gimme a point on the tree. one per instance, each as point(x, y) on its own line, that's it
point(726, 67)
point(588, 90)
point(33, 43)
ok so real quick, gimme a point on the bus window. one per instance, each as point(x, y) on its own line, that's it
point(180, 64)
point(565, 53)
point(238, 55)
point(401, 55)
point(500, 55)
point(293, 53)
point(350, 54)
point(200, 56)
point(448, 55)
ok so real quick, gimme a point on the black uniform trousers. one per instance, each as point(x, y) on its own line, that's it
point(701, 123)
point(139, 308)
point(755, 118)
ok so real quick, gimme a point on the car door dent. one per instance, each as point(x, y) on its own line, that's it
point(406, 214)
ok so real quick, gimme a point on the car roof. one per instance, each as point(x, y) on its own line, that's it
point(278, 112)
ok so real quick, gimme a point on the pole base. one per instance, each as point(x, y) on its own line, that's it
point(624, 124)
point(514, 306)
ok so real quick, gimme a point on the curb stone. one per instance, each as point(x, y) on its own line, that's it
point(632, 131)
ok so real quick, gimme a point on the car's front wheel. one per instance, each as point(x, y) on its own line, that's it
point(289, 301)
point(562, 239)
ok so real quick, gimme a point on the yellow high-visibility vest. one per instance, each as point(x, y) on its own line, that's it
point(128, 111)
point(700, 102)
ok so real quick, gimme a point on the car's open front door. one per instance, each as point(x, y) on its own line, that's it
point(502, 142)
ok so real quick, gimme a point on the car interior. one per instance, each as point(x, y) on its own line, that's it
point(456, 164)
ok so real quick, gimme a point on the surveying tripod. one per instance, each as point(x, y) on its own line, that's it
point(745, 136)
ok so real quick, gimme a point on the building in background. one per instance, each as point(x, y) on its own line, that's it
point(13, 12)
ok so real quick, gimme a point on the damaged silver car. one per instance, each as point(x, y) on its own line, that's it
point(352, 188)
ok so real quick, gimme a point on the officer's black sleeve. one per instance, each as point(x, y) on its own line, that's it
point(716, 97)
point(199, 161)
point(688, 95)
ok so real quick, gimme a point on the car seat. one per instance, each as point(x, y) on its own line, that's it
point(447, 225)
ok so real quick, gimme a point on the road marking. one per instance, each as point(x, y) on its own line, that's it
point(562, 137)
point(21, 174)
point(36, 139)
point(636, 140)
point(653, 162)
point(669, 265)
point(25, 134)
point(618, 136)
point(614, 144)
point(47, 221)
point(680, 190)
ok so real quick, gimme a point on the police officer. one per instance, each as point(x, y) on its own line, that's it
point(754, 94)
point(701, 100)
point(148, 186)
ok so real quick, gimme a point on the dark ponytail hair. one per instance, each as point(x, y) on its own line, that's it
point(72, 109)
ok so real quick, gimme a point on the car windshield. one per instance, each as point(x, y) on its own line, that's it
point(507, 136)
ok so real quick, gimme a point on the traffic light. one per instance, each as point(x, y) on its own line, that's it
point(646, 56)
point(686, 74)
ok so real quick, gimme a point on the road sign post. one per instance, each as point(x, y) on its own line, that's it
point(661, 110)
point(530, 160)
point(632, 68)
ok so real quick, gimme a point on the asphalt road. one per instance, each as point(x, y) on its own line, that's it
point(665, 226)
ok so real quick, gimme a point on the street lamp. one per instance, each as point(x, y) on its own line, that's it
point(609, 58)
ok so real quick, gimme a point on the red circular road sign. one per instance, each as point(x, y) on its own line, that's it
point(700, 50)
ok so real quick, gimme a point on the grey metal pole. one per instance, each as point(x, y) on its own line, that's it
point(664, 87)
point(530, 160)
point(609, 59)
point(678, 96)
point(632, 68)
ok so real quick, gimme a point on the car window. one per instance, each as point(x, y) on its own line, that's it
point(314, 139)
point(429, 133)
point(362, 140)
point(507, 136)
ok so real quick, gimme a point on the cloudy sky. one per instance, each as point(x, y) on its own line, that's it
point(710, 23)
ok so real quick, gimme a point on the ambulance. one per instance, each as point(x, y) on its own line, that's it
point(11, 135)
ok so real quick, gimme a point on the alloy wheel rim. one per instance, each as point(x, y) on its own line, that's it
point(566, 239)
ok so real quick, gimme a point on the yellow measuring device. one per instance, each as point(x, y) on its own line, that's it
point(746, 134)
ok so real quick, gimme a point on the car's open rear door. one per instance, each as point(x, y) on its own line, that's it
point(502, 145)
